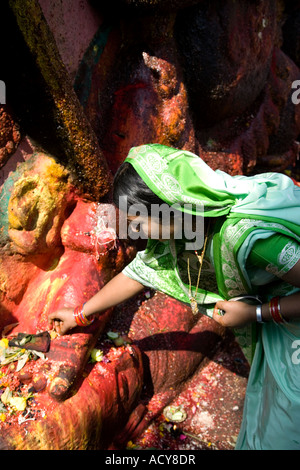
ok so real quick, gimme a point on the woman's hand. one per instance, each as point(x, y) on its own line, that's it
point(235, 314)
point(62, 320)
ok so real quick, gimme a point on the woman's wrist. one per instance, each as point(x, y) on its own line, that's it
point(80, 316)
point(251, 313)
point(89, 310)
point(270, 311)
point(259, 313)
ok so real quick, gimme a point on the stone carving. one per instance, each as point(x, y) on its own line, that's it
point(212, 77)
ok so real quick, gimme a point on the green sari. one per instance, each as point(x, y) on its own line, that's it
point(249, 209)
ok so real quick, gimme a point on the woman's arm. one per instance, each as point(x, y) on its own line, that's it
point(238, 314)
point(119, 289)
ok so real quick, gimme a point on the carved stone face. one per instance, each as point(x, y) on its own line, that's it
point(37, 205)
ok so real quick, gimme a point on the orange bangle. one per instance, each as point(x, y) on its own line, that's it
point(80, 317)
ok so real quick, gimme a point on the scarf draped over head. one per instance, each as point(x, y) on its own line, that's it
point(181, 177)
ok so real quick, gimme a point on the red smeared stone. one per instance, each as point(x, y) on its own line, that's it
point(90, 417)
point(39, 383)
point(213, 403)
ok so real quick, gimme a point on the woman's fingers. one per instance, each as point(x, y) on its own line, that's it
point(51, 319)
point(62, 320)
point(233, 314)
point(57, 326)
point(219, 311)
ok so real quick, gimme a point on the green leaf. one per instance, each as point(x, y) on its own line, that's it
point(12, 356)
point(6, 396)
point(112, 335)
point(25, 340)
point(22, 361)
point(2, 408)
point(40, 354)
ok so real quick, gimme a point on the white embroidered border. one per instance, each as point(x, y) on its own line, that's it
point(232, 234)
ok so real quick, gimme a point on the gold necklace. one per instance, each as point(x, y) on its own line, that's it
point(193, 302)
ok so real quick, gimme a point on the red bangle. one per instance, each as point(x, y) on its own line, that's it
point(275, 310)
point(80, 317)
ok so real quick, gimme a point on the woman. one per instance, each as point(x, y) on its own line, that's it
point(251, 246)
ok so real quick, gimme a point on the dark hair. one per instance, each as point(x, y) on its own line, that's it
point(127, 182)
